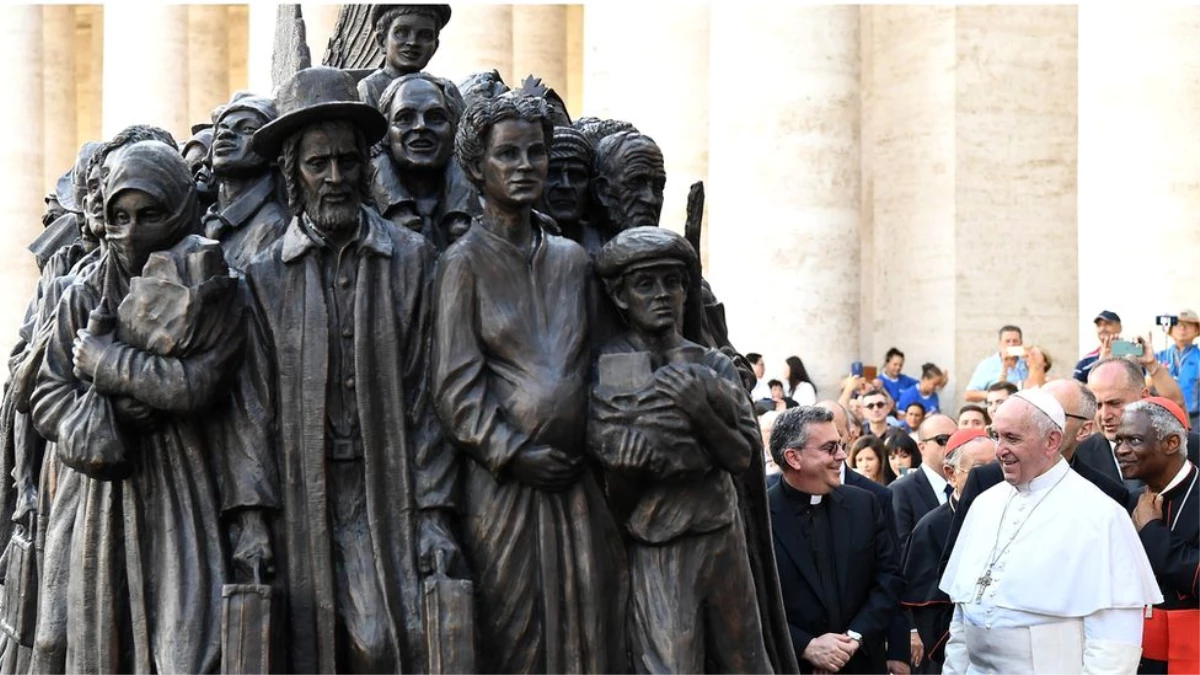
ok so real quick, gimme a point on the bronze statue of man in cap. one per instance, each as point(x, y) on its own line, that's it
point(628, 182)
point(345, 308)
point(415, 181)
point(408, 36)
point(672, 426)
point(248, 216)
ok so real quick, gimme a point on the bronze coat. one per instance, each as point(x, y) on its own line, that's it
point(406, 467)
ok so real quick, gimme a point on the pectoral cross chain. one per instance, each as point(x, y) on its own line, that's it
point(982, 583)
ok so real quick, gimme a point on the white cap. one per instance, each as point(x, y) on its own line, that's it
point(1046, 403)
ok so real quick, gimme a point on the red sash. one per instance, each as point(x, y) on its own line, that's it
point(1172, 636)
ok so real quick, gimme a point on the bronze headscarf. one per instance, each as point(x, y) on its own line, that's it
point(160, 171)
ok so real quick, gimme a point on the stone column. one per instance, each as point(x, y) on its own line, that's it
point(478, 37)
point(663, 89)
point(784, 183)
point(574, 95)
point(1139, 165)
point(238, 35)
point(973, 163)
point(150, 41)
point(58, 85)
point(89, 71)
point(208, 60)
point(21, 164)
point(319, 21)
point(539, 40)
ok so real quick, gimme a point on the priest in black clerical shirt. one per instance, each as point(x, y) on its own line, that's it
point(838, 564)
point(1150, 447)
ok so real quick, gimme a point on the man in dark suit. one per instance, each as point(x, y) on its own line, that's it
point(924, 489)
point(1079, 405)
point(837, 560)
point(1116, 383)
point(900, 639)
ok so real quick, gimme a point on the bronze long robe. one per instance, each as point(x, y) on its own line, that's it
point(511, 359)
point(141, 561)
point(407, 467)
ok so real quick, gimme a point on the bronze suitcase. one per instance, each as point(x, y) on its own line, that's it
point(246, 637)
point(18, 617)
point(449, 622)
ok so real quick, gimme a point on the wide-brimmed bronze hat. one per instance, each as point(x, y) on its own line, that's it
point(442, 12)
point(313, 95)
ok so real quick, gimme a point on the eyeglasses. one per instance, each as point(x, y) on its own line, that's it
point(831, 448)
point(1078, 417)
point(873, 406)
point(940, 439)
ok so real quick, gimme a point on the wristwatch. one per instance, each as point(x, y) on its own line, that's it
point(857, 637)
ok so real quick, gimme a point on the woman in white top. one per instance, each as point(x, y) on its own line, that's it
point(800, 386)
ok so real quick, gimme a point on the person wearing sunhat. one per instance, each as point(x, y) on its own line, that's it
point(409, 37)
point(1015, 611)
point(248, 215)
point(345, 311)
point(1151, 446)
point(1183, 360)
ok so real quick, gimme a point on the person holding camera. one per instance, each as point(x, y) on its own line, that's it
point(1183, 359)
point(1007, 364)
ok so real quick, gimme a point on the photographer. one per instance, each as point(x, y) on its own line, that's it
point(1183, 359)
point(1158, 379)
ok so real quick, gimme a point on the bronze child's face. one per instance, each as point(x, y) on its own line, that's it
point(330, 167)
point(515, 163)
point(566, 190)
point(653, 298)
point(420, 130)
point(410, 42)
point(231, 151)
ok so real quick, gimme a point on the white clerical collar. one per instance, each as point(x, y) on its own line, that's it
point(814, 499)
point(1183, 473)
point(938, 483)
point(1047, 480)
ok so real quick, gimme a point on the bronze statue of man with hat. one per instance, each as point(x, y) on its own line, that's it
point(408, 36)
point(248, 216)
point(345, 306)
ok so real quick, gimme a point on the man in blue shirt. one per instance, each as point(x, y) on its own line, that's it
point(1108, 326)
point(999, 367)
point(1183, 360)
point(925, 391)
point(894, 381)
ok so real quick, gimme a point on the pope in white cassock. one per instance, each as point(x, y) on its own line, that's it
point(1048, 575)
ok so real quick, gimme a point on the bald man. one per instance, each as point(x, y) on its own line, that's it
point(1014, 609)
point(921, 491)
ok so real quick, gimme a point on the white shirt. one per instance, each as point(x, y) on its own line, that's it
point(1183, 472)
point(937, 482)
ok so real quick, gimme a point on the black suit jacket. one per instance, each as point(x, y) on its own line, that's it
point(898, 646)
point(867, 570)
point(986, 475)
point(1096, 452)
point(912, 498)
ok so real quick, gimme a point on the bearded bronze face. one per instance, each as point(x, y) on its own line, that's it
point(330, 167)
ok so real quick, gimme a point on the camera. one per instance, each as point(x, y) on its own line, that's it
point(1166, 321)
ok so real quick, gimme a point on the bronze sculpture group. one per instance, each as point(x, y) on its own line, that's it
point(419, 342)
